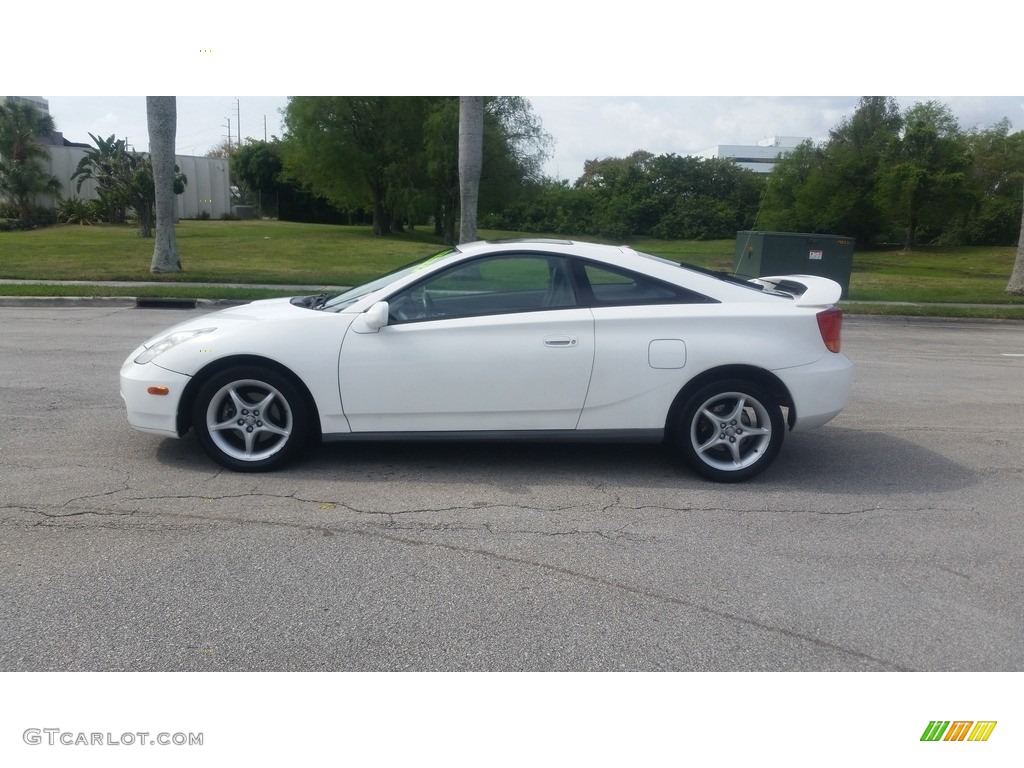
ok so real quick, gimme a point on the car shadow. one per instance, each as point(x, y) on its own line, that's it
point(855, 461)
point(832, 460)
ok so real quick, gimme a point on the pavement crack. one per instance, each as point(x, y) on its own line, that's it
point(392, 535)
point(647, 594)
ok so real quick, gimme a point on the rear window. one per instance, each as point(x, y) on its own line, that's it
point(610, 286)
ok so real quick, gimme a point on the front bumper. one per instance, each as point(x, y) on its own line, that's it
point(154, 414)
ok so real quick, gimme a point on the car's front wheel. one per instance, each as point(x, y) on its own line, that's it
point(250, 419)
point(730, 431)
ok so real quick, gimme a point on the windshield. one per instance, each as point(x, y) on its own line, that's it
point(351, 296)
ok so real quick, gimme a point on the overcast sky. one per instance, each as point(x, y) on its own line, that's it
point(584, 127)
point(700, 74)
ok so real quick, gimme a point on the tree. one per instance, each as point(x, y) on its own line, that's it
point(700, 198)
point(619, 187)
point(109, 165)
point(162, 120)
point(834, 187)
point(854, 157)
point(357, 151)
point(471, 153)
point(790, 202)
point(514, 148)
point(441, 138)
point(398, 156)
point(665, 196)
point(255, 168)
point(996, 176)
point(1016, 285)
point(925, 182)
point(22, 175)
point(124, 180)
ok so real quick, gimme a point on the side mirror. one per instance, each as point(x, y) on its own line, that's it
point(373, 319)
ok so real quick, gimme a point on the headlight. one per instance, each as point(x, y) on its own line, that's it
point(169, 341)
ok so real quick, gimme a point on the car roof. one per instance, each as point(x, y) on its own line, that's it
point(621, 256)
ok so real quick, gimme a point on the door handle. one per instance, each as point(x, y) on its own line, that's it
point(560, 341)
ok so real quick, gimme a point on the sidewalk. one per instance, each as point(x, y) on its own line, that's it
point(298, 290)
point(143, 283)
point(133, 301)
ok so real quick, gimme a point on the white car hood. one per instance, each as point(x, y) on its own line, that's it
point(235, 317)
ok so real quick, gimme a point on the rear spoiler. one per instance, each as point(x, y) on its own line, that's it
point(805, 290)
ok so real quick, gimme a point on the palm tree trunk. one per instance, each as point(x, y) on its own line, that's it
point(1016, 284)
point(162, 118)
point(471, 152)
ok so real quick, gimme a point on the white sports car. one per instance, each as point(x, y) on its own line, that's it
point(525, 340)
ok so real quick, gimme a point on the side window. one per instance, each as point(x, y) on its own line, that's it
point(615, 287)
point(489, 286)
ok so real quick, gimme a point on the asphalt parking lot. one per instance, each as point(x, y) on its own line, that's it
point(889, 539)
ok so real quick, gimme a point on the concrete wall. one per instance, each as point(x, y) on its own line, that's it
point(208, 188)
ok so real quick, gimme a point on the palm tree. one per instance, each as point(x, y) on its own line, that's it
point(124, 179)
point(109, 166)
point(162, 118)
point(471, 150)
point(22, 174)
point(1016, 284)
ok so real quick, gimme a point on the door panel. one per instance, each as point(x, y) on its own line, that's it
point(518, 371)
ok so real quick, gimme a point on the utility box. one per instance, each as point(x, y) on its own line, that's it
point(761, 254)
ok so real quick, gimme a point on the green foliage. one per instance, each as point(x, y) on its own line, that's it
point(14, 219)
point(925, 181)
point(124, 182)
point(355, 151)
point(74, 210)
point(834, 188)
point(911, 177)
point(397, 157)
point(667, 197)
point(20, 125)
point(257, 165)
point(22, 175)
point(549, 206)
point(309, 254)
point(997, 178)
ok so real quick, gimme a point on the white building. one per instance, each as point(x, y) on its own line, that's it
point(207, 190)
point(759, 157)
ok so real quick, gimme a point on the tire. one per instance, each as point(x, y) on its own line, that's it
point(730, 431)
point(250, 419)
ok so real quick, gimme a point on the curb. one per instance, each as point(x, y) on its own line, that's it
point(125, 302)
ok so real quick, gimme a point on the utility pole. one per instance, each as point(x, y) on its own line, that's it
point(238, 114)
point(229, 130)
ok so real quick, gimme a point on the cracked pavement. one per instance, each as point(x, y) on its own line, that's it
point(890, 539)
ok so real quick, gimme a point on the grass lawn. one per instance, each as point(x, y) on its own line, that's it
point(213, 251)
point(285, 252)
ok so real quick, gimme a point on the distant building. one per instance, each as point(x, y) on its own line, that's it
point(207, 192)
point(759, 157)
point(55, 139)
point(36, 101)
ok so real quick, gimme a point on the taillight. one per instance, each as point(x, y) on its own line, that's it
point(830, 323)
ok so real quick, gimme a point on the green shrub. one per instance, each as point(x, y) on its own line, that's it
point(74, 210)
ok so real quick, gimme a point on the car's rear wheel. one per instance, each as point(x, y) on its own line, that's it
point(250, 419)
point(730, 431)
